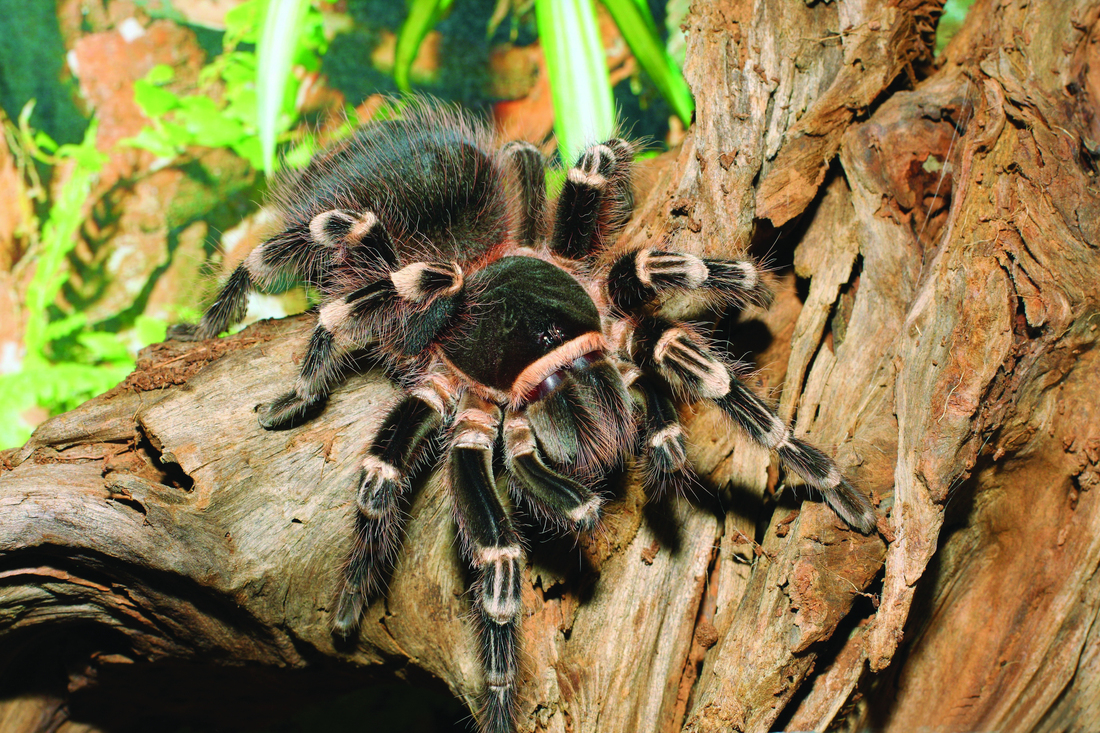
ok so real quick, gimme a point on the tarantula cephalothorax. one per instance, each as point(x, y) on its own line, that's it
point(433, 248)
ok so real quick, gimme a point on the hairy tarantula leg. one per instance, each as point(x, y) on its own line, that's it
point(664, 448)
point(321, 370)
point(596, 200)
point(638, 278)
point(530, 171)
point(692, 369)
point(494, 550)
point(559, 496)
point(387, 469)
point(342, 326)
point(760, 422)
point(351, 235)
point(430, 290)
point(289, 253)
point(425, 292)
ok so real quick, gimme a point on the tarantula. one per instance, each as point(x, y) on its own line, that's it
point(433, 248)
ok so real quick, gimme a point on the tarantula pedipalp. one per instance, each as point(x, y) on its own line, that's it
point(433, 248)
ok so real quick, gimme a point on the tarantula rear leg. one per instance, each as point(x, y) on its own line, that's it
point(384, 478)
point(664, 448)
point(692, 369)
point(493, 548)
point(596, 200)
point(530, 170)
point(552, 493)
point(304, 253)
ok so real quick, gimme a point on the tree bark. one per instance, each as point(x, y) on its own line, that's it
point(935, 263)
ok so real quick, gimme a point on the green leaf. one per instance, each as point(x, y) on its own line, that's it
point(423, 16)
point(149, 330)
point(242, 22)
point(65, 326)
point(45, 142)
point(160, 74)
point(207, 125)
point(298, 156)
point(102, 346)
point(640, 31)
point(282, 24)
point(154, 101)
point(579, 84)
point(249, 149)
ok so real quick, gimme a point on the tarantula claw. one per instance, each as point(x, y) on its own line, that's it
point(349, 611)
point(289, 411)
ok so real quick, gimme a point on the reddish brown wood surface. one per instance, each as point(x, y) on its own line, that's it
point(933, 231)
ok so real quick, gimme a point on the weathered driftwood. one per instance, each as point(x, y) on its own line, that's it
point(938, 341)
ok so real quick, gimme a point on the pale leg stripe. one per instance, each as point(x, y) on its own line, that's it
point(641, 267)
point(257, 268)
point(580, 178)
point(378, 468)
point(667, 434)
point(362, 227)
point(502, 604)
point(693, 269)
point(519, 438)
point(319, 226)
point(586, 512)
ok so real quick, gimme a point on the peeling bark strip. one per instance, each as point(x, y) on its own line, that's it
point(944, 348)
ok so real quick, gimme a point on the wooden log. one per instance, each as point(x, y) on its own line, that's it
point(933, 233)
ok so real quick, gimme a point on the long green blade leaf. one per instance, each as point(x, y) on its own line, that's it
point(423, 16)
point(282, 23)
point(640, 31)
point(583, 108)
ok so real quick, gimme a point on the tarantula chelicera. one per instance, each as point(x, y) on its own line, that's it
point(433, 247)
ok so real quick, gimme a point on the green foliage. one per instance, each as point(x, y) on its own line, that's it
point(65, 360)
point(423, 16)
point(583, 108)
point(575, 60)
point(246, 100)
point(640, 32)
point(284, 34)
point(954, 13)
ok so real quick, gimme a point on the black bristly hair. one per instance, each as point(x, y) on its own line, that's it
point(508, 328)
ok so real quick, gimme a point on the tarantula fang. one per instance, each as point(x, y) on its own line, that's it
point(510, 328)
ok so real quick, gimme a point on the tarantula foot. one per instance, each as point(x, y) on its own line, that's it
point(184, 332)
point(290, 410)
point(853, 507)
point(349, 611)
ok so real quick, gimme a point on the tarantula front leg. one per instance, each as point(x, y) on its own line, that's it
point(664, 445)
point(493, 547)
point(596, 200)
point(304, 253)
point(385, 476)
point(553, 493)
point(406, 310)
point(692, 369)
point(639, 278)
